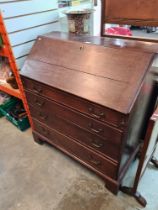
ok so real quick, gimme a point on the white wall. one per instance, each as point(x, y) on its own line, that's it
point(25, 20)
point(97, 19)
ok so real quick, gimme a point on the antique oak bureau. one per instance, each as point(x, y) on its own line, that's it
point(89, 97)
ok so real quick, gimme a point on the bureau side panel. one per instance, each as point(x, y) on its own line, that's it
point(138, 120)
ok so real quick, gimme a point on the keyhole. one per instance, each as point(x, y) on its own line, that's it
point(81, 48)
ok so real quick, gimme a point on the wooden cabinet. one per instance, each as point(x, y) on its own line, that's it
point(90, 98)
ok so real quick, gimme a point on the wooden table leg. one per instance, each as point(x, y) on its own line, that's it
point(130, 191)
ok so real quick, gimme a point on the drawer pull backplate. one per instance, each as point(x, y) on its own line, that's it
point(96, 115)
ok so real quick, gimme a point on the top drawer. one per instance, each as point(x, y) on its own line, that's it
point(84, 106)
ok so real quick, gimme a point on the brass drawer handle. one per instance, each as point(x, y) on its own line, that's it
point(94, 161)
point(97, 131)
point(98, 116)
point(43, 116)
point(37, 89)
point(39, 103)
point(96, 144)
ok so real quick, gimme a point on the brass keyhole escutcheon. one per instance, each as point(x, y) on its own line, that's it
point(81, 47)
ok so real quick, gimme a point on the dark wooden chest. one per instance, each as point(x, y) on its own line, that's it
point(90, 98)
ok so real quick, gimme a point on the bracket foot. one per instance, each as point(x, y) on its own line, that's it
point(39, 141)
point(129, 191)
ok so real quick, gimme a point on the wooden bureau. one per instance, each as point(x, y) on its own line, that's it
point(90, 98)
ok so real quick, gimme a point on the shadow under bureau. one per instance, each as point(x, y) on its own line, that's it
point(90, 98)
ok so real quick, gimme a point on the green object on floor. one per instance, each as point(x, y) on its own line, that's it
point(4, 106)
point(21, 124)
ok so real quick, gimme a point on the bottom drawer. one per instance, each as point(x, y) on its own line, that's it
point(94, 142)
point(87, 157)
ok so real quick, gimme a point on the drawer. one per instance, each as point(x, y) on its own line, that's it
point(95, 143)
point(48, 110)
point(91, 109)
point(81, 153)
